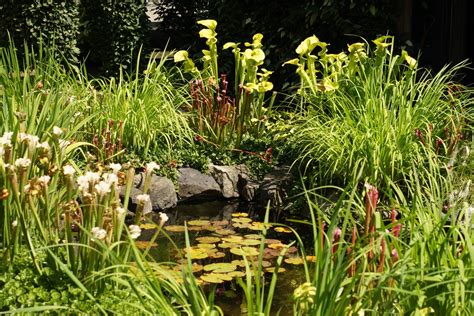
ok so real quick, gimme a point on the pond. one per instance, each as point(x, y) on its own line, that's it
point(221, 234)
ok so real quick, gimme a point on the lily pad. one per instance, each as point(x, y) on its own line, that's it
point(206, 246)
point(272, 269)
point(245, 251)
point(236, 274)
point(259, 226)
point(220, 223)
point(311, 258)
point(294, 260)
point(141, 244)
point(146, 226)
point(233, 239)
point(240, 214)
point(272, 241)
point(175, 228)
point(226, 245)
point(225, 231)
point(283, 230)
point(208, 239)
point(221, 267)
point(240, 225)
point(199, 222)
point(195, 228)
point(210, 228)
point(253, 236)
point(196, 253)
point(250, 242)
point(215, 277)
point(216, 255)
point(276, 246)
point(292, 249)
point(241, 220)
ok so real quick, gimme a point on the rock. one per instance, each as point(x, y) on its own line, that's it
point(193, 185)
point(275, 186)
point(161, 190)
point(228, 177)
point(249, 189)
point(162, 193)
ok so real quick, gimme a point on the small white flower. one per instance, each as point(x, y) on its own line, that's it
point(44, 146)
point(135, 231)
point(120, 211)
point(163, 218)
point(83, 183)
point(14, 223)
point(44, 180)
point(98, 233)
point(102, 188)
point(69, 170)
point(27, 188)
point(152, 166)
point(115, 167)
point(22, 162)
point(30, 139)
point(92, 177)
point(144, 200)
point(6, 139)
point(57, 131)
point(110, 178)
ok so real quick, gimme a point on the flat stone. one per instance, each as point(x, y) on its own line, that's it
point(193, 185)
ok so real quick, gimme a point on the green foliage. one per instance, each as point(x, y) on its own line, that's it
point(113, 32)
point(284, 23)
point(36, 22)
point(22, 288)
point(373, 115)
point(143, 110)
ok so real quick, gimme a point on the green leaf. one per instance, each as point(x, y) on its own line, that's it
point(210, 24)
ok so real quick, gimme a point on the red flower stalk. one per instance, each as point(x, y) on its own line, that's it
point(419, 134)
point(321, 232)
point(382, 256)
point(335, 239)
point(394, 255)
point(371, 250)
point(371, 198)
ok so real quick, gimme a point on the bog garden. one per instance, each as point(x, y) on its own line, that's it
point(184, 182)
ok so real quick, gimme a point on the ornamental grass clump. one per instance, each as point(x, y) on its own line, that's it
point(369, 114)
point(224, 114)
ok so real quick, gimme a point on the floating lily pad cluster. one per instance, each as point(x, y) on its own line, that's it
point(219, 248)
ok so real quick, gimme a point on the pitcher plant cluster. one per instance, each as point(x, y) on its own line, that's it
point(225, 112)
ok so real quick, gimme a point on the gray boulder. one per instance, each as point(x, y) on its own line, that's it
point(161, 190)
point(228, 178)
point(275, 186)
point(193, 185)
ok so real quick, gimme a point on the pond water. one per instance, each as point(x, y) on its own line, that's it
point(221, 233)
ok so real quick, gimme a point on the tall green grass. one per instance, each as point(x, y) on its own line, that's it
point(381, 120)
point(146, 105)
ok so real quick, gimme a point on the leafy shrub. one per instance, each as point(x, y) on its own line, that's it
point(113, 31)
point(53, 22)
point(374, 115)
